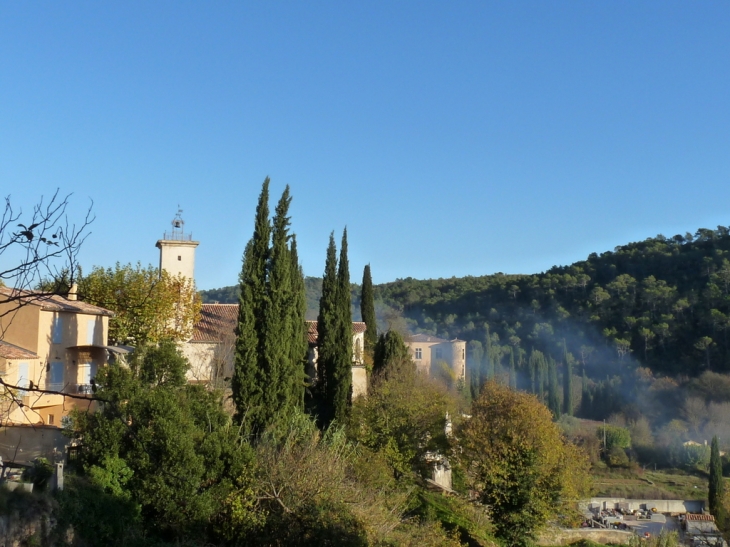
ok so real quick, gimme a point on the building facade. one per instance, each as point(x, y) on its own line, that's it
point(52, 342)
point(438, 357)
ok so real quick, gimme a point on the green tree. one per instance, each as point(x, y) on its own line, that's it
point(148, 305)
point(268, 379)
point(390, 352)
point(249, 379)
point(553, 389)
point(716, 487)
point(517, 460)
point(161, 444)
point(339, 384)
point(327, 330)
point(567, 381)
point(367, 309)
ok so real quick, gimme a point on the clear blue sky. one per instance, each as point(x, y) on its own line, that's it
point(452, 138)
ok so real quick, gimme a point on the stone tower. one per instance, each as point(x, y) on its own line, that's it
point(177, 250)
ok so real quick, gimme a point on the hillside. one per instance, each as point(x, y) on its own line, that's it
point(662, 302)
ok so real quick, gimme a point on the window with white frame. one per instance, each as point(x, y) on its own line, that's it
point(419, 354)
point(23, 378)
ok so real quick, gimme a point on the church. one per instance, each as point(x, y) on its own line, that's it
point(210, 349)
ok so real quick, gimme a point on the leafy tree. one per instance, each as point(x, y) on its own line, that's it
point(367, 309)
point(163, 445)
point(614, 436)
point(148, 305)
point(716, 486)
point(519, 463)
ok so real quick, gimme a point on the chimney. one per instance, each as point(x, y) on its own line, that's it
point(72, 292)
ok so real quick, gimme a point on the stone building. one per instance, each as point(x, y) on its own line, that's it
point(437, 356)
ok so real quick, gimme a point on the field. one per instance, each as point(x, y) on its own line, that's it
point(664, 484)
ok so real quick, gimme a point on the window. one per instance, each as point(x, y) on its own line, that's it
point(437, 353)
point(57, 330)
point(87, 371)
point(23, 378)
point(419, 354)
point(56, 375)
point(51, 419)
point(463, 353)
point(179, 257)
point(90, 328)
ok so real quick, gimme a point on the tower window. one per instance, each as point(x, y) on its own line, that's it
point(179, 257)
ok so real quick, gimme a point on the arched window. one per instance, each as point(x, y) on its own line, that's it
point(357, 351)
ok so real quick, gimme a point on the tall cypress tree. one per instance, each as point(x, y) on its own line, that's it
point(390, 351)
point(716, 486)
point(326, 326)
point(367, 309)
point(488, 357)
point(339, 385)
point(512, 369)
point(567, 381)
point(553, 399)
point(300, 345)
point(267, 379)
point(248, 376)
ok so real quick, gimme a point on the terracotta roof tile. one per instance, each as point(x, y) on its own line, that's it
point(10, 351)
point(51, 302)
point(357, 328)
point(705, 518)
point(217, 322)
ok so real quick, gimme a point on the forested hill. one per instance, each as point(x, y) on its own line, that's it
point(662, 301)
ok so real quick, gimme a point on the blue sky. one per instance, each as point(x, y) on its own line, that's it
point(452, 138)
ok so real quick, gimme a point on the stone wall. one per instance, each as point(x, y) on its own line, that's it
point(560, 536)
point(662, 506)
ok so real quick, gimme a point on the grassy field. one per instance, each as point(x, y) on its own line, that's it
point(664, 484)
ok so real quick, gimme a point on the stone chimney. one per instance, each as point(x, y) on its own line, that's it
point(73, 292)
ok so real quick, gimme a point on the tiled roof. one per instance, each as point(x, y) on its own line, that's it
point(357, 328)
point(426, 338)
point(50, 302)
point(695, 517)
point(217, 322)
point(10, 351)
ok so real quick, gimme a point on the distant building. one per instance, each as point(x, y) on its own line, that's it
point(434, 355)
point(53, 342)
point(177, 250)
point(211, 348)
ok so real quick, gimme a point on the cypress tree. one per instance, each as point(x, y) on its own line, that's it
point(488, 357)
point(553, 399)
point(585, 397)
point(248, 378)
point(367, 309)
point(300, 345)
point(512, 370)
point(268, 377)
point(390, 351)
point(326, 327)
point(716, 486)
point(340, 386)
point(567, 381)
point(476, 354)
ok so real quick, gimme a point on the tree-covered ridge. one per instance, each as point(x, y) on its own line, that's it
point(664, 301)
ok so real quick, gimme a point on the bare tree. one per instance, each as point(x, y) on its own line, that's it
point(40, 248)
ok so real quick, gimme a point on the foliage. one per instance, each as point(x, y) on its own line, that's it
point(716, 486)
point(148, 305)
point(390, 351)
point(39, 473)
point(519, 463)
point(402, 417)
point(166, 445)
point(367, 310)
point(614, 436)
point(268, 379)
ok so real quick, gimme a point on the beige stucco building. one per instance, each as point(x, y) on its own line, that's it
point(53, 342)
point(210, 350)
point(436, 356)
point(177, 250)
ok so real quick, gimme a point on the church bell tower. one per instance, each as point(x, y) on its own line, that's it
point(177, 250)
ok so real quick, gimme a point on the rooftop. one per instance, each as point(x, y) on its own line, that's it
point(50, 302)
point(217, 322)
point(11, 351)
